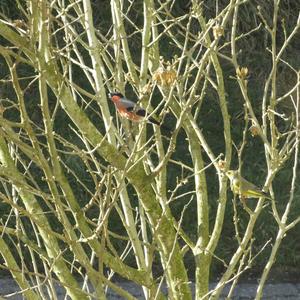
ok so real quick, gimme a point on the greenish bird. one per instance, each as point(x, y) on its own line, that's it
point(243, 187)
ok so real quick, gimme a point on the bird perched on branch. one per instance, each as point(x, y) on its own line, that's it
point(129, 109)
point(244, 188)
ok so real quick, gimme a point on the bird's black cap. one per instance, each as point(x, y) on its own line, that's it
point(111, 94)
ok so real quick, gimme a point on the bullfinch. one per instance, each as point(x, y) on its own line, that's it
point(129, 109)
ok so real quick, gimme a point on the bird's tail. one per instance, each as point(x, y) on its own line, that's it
point(152, 120)
point(257, 194)
point(265, 195)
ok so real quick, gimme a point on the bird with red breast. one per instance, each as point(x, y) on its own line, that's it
point(129, 109)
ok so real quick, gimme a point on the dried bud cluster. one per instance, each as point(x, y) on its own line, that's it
point(242, 72)
point(221, 164)
point(20, 24)
point(218, 31)
point(165, 77)
point(254, 130)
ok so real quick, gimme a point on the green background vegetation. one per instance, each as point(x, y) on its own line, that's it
point(255, 56)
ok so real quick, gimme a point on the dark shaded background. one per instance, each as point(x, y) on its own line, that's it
point(254, 55)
